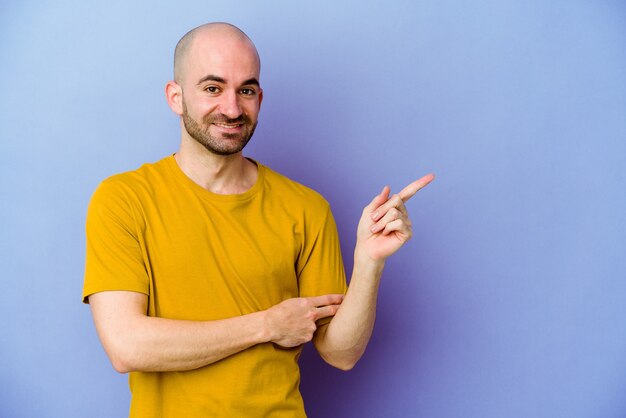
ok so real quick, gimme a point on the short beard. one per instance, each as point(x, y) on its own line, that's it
point(213, 144)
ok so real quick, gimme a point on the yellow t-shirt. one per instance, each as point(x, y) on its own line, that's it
point(203, 256)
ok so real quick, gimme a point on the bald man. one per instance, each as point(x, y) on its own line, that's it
point(207, 271)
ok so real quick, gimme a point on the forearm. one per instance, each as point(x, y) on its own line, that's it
point(159, 344)
point(343, 341)
point(136, 342)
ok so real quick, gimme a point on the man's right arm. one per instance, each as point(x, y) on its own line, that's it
point(137, 342)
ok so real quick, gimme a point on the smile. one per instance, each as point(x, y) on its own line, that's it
point(228, 126)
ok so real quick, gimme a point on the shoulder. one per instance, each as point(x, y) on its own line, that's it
point(124, 197)
point(297, 194)
point(130, 185)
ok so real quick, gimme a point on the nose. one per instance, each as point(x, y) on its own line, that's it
point(230, 106)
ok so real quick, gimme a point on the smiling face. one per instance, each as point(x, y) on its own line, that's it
point(220, 96)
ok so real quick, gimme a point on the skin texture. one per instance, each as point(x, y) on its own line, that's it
point(217, 94)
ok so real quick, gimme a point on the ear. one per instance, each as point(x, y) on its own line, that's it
point(260, 97)
point(174, 96)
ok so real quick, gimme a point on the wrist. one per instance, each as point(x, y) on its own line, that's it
point(365, 263)
point(263, 326)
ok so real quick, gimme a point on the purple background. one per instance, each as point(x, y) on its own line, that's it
point(511, 299)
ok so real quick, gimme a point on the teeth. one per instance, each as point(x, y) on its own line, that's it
point(223, 125)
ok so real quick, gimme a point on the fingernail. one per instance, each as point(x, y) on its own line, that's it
point(374, 228)
point(375, 215)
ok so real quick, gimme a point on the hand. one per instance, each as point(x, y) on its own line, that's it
point(385, 225)
point(292, 322)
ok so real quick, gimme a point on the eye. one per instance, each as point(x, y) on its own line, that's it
point(248, 92)
point(212, 89)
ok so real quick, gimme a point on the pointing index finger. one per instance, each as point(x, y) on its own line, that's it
point(408, 192)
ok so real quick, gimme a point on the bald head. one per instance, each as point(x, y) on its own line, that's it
point(208, 33)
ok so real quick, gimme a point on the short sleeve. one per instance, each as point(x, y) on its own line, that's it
point(114, 257)
point(320, 266)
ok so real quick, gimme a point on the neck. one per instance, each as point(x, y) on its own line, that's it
point(220, 174)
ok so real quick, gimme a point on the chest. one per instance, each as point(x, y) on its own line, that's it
point(208, 261)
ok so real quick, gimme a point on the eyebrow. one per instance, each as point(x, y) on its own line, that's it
point(251, 81)
point(219, 79)
point(211, 77)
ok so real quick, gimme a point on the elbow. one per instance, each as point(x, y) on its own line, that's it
point(341, 355)
point(123, 358)
point(344, 361)
point(121, 363)
point(345, 366)
point(120, 366)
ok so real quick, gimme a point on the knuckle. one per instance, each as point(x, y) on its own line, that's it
point(308, 335)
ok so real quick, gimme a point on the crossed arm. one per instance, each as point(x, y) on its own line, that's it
point(137, 342)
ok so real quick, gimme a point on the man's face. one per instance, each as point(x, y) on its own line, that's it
point(221, 95)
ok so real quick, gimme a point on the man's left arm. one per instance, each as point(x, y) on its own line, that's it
point(384, 227)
